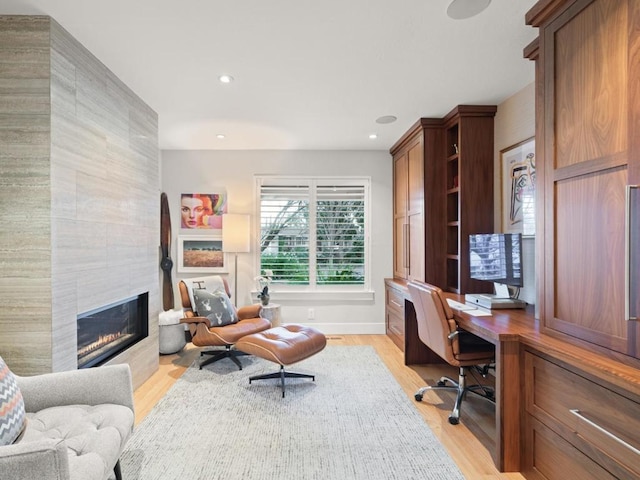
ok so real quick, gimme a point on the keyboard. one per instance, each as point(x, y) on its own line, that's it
point(459, 306)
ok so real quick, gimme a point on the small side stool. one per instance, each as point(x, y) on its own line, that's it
point(284, 345)
point(171, 337)
point(272, 313)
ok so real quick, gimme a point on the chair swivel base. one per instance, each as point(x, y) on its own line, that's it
point(220, 354)
point(281, 374)
point(461, 390)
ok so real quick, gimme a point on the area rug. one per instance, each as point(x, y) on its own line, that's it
point(354, 422)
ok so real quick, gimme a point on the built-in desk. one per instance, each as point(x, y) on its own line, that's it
point(503, 329)
point(531, 408)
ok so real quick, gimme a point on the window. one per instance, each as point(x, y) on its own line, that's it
point(314, 232)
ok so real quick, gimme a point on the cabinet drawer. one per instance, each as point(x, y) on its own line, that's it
point(395, 302)
point(395, 324)
point(601, 423)
point(550, 457)
point(395, 329)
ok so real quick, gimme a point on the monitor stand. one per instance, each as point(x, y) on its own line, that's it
point(501, 299)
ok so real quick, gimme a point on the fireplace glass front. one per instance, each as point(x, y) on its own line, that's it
point(109, 330)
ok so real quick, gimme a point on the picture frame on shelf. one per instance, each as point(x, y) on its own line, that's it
point(201, 254)
point(518, 188)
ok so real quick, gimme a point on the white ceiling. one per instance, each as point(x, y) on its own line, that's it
point(308, 74)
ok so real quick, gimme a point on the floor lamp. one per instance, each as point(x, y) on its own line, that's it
point(235, 239)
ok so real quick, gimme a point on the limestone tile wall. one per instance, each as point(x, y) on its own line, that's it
point(25, 195)
point(102, 205)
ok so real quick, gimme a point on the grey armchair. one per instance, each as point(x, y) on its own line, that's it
point(77, 425)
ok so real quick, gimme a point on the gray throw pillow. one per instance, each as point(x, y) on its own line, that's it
point(12, 414)
point(216, 306)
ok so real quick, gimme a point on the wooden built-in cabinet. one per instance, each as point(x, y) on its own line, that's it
point(577, 426)
point(469, 190)
point(416, 175)
point(394, 312)
point(588, 151)
point(402, 326)
point(443, 191)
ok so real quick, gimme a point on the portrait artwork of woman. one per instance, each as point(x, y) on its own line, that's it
point(202, 210)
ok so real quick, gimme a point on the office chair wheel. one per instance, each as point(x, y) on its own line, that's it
point(418, 397)
point(454, 420)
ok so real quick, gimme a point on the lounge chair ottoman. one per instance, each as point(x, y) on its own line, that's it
point(283, 345)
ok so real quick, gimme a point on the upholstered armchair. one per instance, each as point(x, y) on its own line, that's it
point(65, 426)
point(212, 319)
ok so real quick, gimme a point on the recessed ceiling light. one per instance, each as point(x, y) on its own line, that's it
point(386, 119)
point(373, 136)
point(220, 136)
point(461, 9)
point(225, 78)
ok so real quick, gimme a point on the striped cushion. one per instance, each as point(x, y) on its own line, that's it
point(12, 415)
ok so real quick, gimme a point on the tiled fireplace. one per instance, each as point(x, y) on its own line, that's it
point(83, 149)
point(105, 332)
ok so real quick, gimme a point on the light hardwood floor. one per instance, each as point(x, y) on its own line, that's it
point(468, 443)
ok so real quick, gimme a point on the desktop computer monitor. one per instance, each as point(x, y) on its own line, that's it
point(497, 258)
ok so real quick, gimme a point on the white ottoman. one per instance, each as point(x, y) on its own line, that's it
point(171, 332)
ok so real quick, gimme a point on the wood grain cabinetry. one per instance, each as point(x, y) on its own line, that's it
point(402, 326)
point(577, 426)
point(408, 211)
point(588, 151)
point(394, 313)
point(443, 191)
point(469, 190)
point(416, 209)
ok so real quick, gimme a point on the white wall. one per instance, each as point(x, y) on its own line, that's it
point(515, 122)
point(233, 171)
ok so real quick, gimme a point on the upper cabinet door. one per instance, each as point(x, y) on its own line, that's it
point(416, 177)
point(400, 227)
point(588, 72)
point(415, 211)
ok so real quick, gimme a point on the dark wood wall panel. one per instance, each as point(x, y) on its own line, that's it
point(589, 144)
point(589, 286)
point(591, 84)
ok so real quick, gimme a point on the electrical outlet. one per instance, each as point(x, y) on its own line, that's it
point(311, 314)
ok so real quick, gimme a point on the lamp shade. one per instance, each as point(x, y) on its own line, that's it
point(235, 233)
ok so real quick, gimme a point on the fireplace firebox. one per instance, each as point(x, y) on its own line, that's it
point(109, 330)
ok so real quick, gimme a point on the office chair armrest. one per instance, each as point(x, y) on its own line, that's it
point(195, 320)
point(249, 311)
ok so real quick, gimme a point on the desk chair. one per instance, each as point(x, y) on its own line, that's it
point(438, 330)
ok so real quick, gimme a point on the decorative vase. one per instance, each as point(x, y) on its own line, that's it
point(264, 298)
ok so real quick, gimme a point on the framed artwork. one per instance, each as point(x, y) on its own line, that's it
point(201, 254)
point(202, 210)
point(518, 163)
